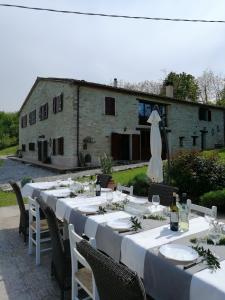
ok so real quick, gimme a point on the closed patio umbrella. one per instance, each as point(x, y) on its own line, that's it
point(155, 169)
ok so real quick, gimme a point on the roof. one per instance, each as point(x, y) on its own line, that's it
point(118, 90)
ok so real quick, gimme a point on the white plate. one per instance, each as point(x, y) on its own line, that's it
point(179, 254)
point(90, 209)
point(120, 224)
point(137, 200)
point(106, 190)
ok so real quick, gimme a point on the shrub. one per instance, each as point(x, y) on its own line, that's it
point(25, 180)
point(196, 174)
point(141, 184)
point(106, 164)
point(216, 198)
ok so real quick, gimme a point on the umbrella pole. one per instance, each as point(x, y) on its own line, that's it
point(166, 144)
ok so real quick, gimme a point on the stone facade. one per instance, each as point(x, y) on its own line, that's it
point(185, 130)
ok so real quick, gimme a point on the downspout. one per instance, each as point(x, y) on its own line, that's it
point(78, 123)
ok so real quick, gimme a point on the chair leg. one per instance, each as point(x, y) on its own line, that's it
point(30, 243)
point(62, 294)
point(38, 250)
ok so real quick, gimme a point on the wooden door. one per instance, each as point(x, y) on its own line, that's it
point(39, 150)
point(45, 151)
point(145, 145)
point(120, 146)
point(136, 147)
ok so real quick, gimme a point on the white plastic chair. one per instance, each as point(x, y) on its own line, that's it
point(37, 228)
point(82, 278)
point(127, 189)
point(212, 212)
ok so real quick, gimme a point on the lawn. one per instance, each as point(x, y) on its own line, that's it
point(7, 198)
point(123, 177)
point(8, 151)
point(220, 153)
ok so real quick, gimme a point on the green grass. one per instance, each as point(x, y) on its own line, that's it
point(1, 162)
point(8, 199)
point(123, 177)
point(8, 151)
point(220, 153)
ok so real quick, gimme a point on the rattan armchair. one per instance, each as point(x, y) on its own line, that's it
point(24, 214)
point(164, 191)
point(114, 281)
point(61, 259)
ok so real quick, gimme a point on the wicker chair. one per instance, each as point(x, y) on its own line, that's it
point(24, 213)
point(165, 192)
point(61, 259)
point(104, 180)
point(114, 281)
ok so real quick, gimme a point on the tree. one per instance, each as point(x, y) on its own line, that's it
point(147, 86)
point(211, 86)
point(9, 129)
point(185, 86)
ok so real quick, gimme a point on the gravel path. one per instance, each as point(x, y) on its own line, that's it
point(16, 171)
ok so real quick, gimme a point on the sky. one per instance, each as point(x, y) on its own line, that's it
point(99, 49)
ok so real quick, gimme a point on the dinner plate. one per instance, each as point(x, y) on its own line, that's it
point(120, 224)
point(135, 200)
point(179, 254)
point(89, 209)
point(106, 190)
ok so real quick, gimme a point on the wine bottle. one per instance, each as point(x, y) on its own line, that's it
point(174, 214)
point(183, 214)
point(98, 187)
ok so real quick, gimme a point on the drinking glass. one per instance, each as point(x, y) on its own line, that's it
point(215, 232)
point(155, 200)
point(109, 197)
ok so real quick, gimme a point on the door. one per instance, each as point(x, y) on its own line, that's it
point(120, 146)
point(45, 151)
point(203, 140)
point(145, 144)
point(135, 147)
point(39, 150)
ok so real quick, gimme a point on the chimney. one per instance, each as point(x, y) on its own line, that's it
point(115, 82)
point(169, 89)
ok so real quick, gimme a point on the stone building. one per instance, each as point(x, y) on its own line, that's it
point(67, 121)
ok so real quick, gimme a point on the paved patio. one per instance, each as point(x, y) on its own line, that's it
point(20, 278)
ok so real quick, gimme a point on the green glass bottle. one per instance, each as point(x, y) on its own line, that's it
point(174, 214)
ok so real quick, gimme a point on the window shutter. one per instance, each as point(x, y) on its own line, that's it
point(60, 102)
point(53, 147)
point(54, 105)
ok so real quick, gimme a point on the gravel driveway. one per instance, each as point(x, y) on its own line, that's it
point(16, 171)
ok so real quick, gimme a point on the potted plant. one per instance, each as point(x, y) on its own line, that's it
point(106, 168)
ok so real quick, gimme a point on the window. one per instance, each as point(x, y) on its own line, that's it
point(58, 146)
point(110, 106)
point(204, 114)
point(31, 146)
point(24, 121)
point(43, 112)
point(61, 146)
point(57, 103)
point(145, 108)
point(32, 117)
point(23, 147)
point(54, 147)
point(181, 141)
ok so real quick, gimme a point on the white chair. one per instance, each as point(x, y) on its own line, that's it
point(82, 278)
point(127, 189)
point(212, 212)
point(37, 228)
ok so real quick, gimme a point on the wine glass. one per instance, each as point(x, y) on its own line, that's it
point(109, 197)
point(155, 200)
point(215, 232)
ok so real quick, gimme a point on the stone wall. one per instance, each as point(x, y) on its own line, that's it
point(183, 121)
point(61, 124)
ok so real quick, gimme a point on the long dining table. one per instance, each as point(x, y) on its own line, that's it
point(138, 250)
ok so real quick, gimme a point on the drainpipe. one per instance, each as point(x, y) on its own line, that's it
point(78, 123)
